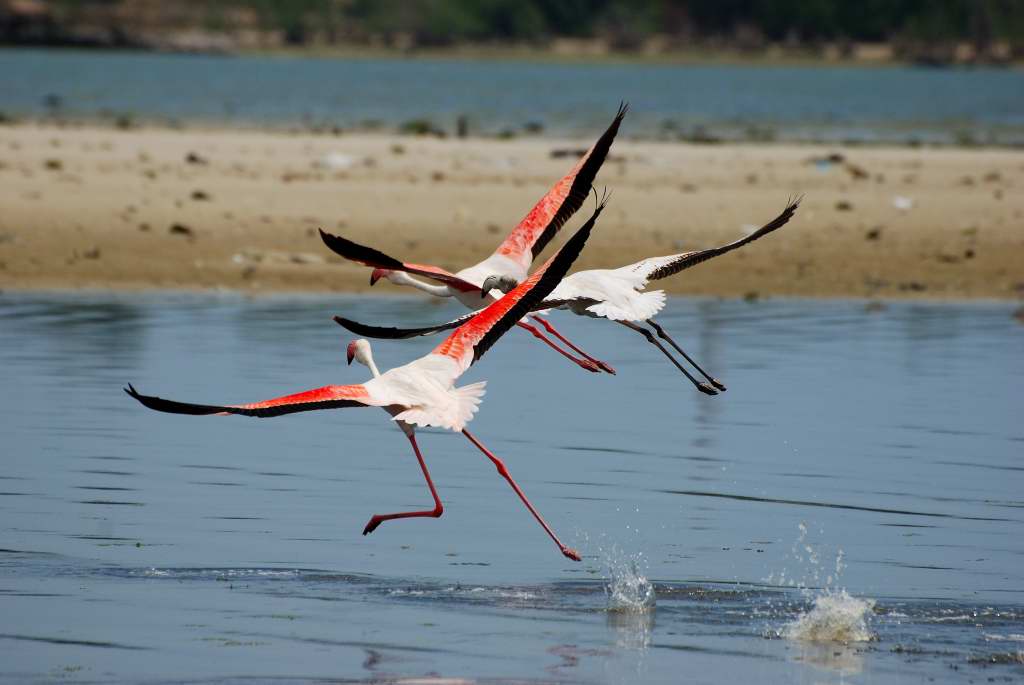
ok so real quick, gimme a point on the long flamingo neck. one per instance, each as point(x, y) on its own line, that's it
point(371, 365)
point(437, 290)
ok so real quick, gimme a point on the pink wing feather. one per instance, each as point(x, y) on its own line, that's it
point(531, 236)
point(472, 339)
point(327, 397)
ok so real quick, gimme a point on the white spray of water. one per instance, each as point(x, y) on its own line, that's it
point(834, 615)
point(628, 589)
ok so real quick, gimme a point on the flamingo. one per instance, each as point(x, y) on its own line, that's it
point(513, 256)
point(423, 392)
point(615, 294)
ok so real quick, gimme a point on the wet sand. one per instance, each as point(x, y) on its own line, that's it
point(91, 207)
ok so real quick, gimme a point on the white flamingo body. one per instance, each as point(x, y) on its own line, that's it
point(423, 392)
point(615, 294)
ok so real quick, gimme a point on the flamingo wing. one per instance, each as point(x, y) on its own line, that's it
point(395, 333)
point(472, 339)
point(662, 267)
point(538, 227)
point(327, 397)
point(391, 333)
point(368, 256)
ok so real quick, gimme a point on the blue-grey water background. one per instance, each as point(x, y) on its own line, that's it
point(830, 103)
point(872, 448)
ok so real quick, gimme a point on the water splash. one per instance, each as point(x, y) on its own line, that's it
point(628, 589)
point(834, 617)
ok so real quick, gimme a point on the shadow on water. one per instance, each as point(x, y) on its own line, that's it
point(139, 546)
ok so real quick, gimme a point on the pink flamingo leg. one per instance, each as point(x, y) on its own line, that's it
point(436, 512)
point(569, 552)
point(584, 363)
point(551, 329)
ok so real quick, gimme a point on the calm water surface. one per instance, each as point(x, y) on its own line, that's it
point(876, 451)
point(795, 103)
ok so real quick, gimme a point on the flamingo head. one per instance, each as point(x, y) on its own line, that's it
point(360, 351)
point(502, 283)
point(378, 274)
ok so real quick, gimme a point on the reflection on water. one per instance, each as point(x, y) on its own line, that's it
point(136, 545)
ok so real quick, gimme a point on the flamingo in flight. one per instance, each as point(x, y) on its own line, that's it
point(423, 392)
point(619, 295)
point(513, 257)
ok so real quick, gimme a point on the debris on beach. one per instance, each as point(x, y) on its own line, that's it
point(421, 127)
point(181, 229)
point(195, 158)
point(857, 172)
point(251, 256)
point(336, 161)
point(200, 195)
point(838, 159)
point(568, 152)
point(826, 162)
point(903, 203)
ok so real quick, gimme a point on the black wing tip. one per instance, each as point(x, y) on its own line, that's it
point(623, 109)
point(353, 326)
point(331, 240)
point(349, 249)
point(792, 204)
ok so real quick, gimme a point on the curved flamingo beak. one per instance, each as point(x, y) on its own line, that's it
point(376, 275)
point(350, 352)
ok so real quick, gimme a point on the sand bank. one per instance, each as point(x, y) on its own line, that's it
point(98, 208)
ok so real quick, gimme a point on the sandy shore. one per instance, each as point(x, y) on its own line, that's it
point(98, 208)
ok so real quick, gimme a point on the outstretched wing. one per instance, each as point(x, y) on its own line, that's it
point(327, 397)
point(538, 227)
point(368, 256)
point(391, 333)
point(473, 338)
point(661, 267)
